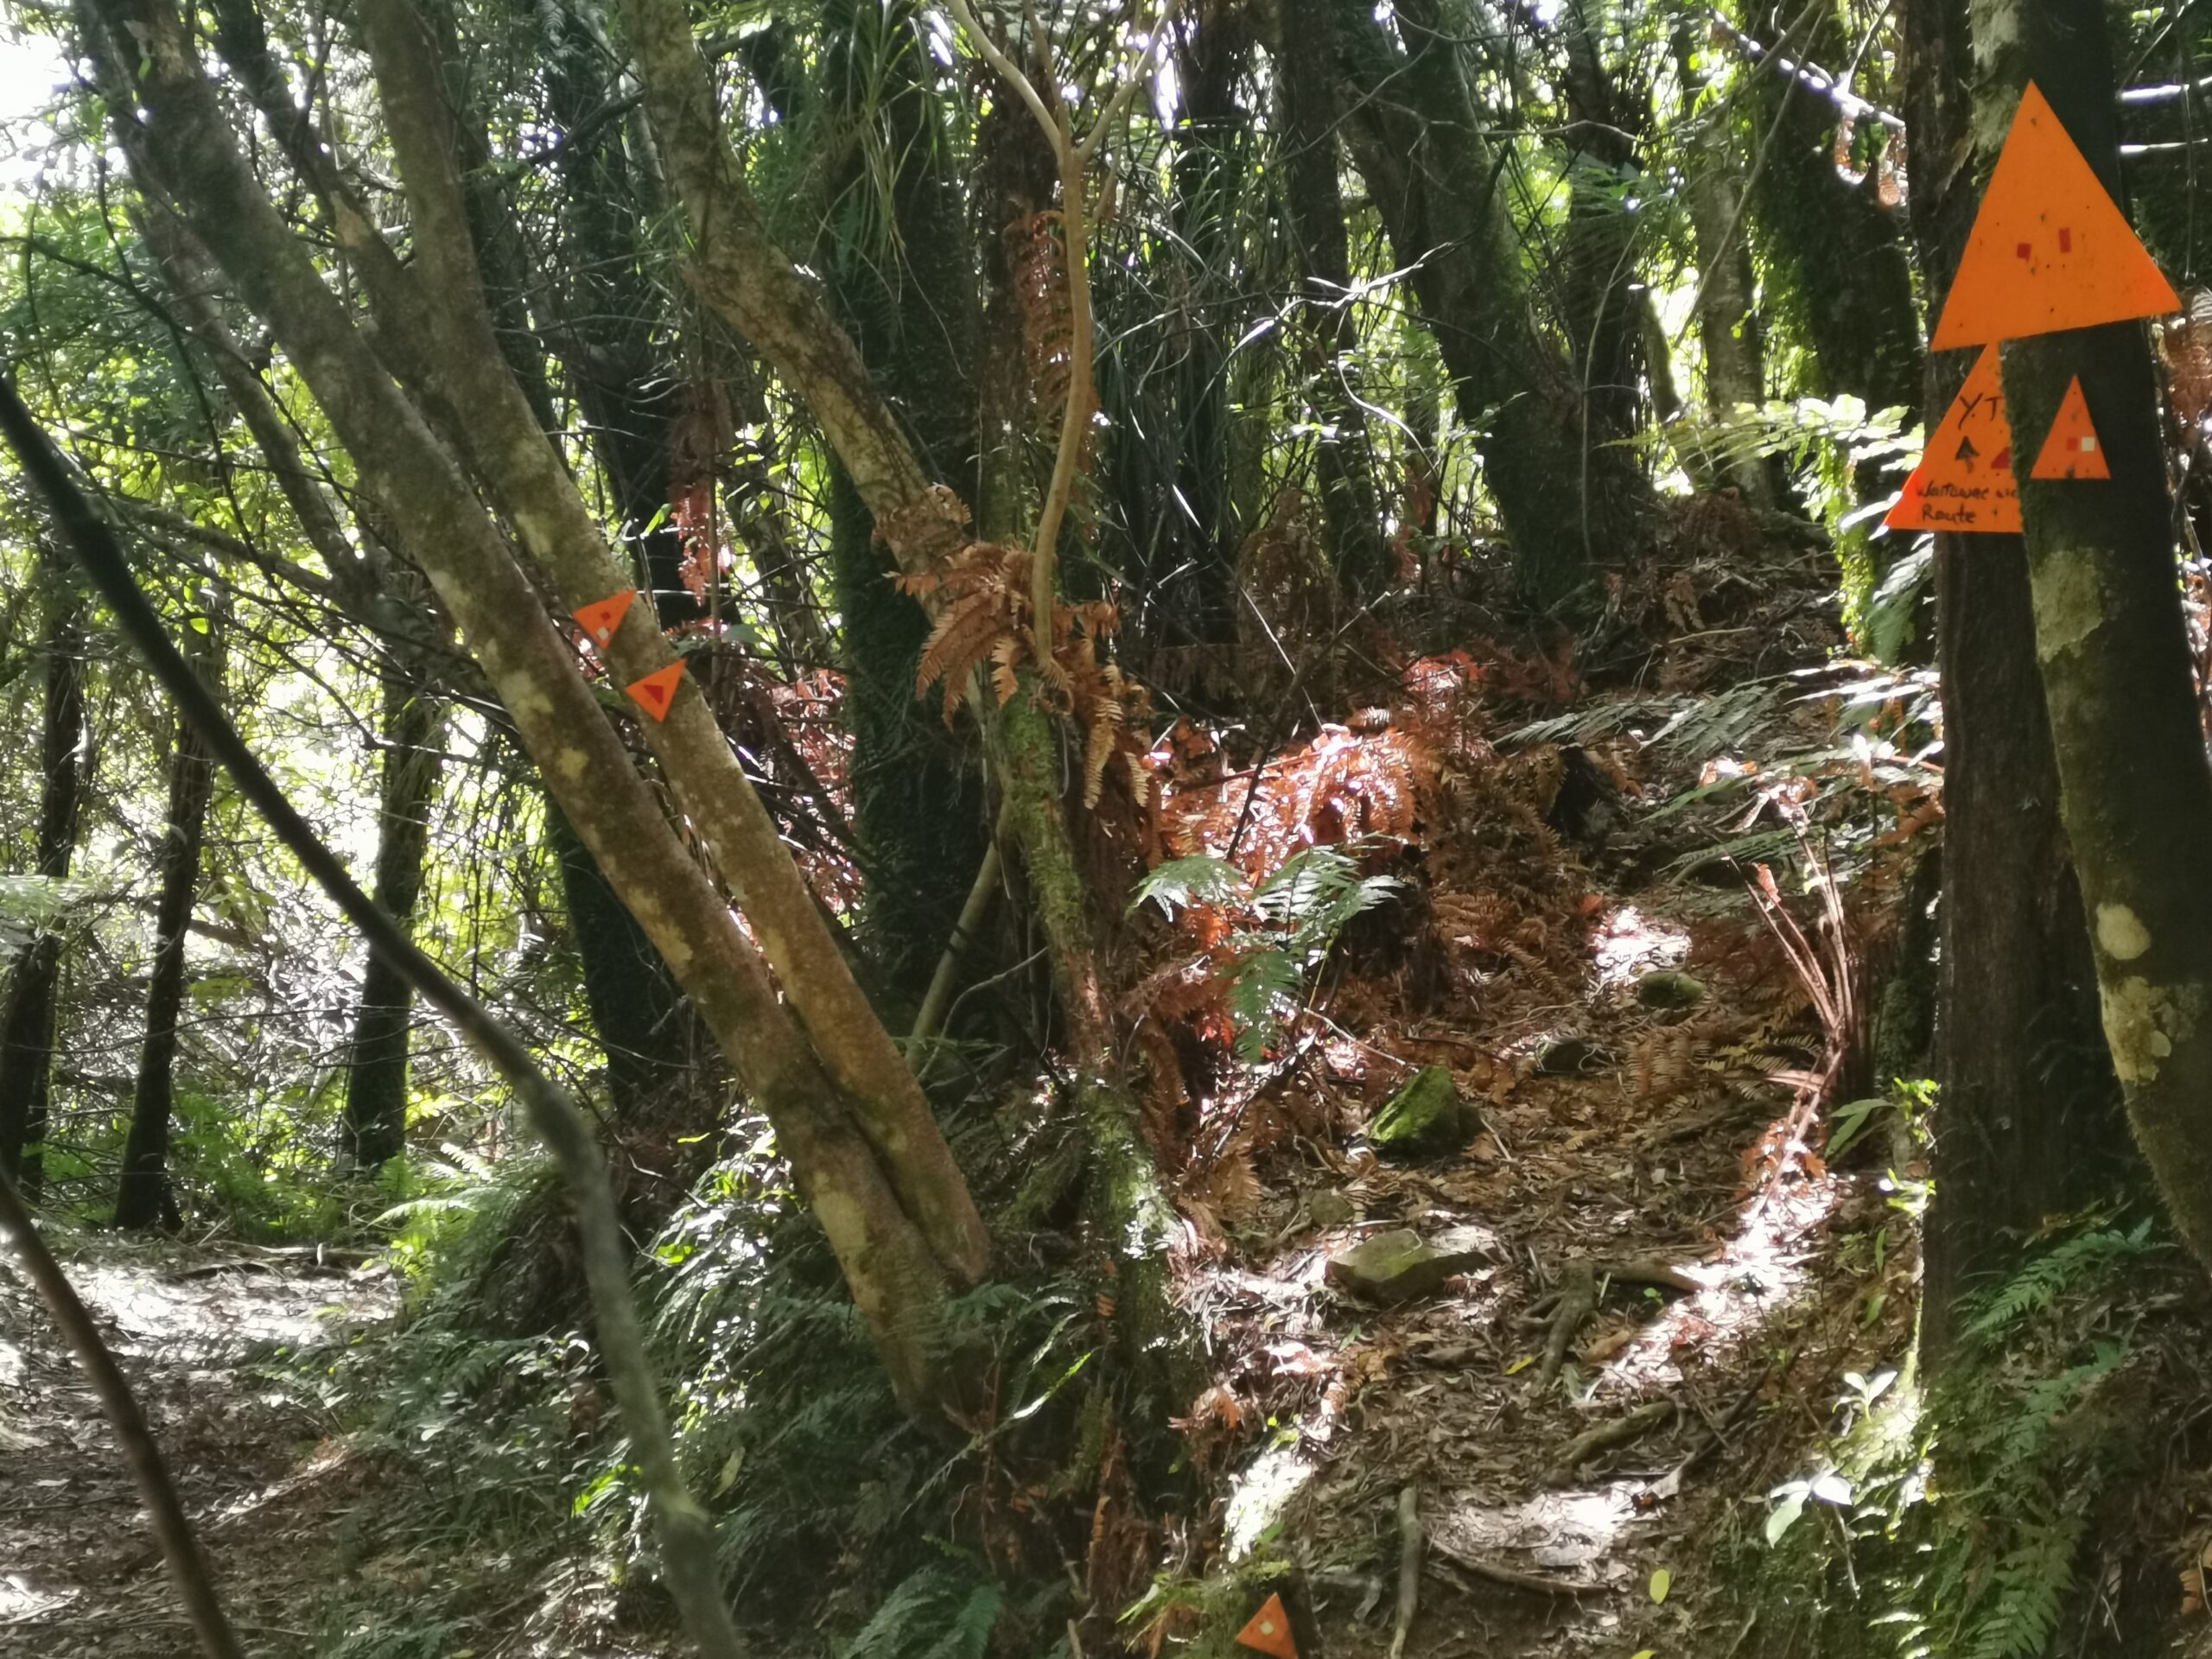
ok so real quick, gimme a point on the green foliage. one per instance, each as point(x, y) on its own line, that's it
point(945, 1611)
point(1963, 1505)
point(1295, 915)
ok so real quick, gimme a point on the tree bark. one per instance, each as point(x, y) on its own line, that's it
point(855, 1172)
point(373, 1127)
point(1344, 461)
point(2135, 789)
point(144, 1197)
point(2027, 1123)
point(27, 1030)
point(1570, 500)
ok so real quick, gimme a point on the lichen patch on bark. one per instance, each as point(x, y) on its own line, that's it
point(2121, 933)
point(2070, 603)
point(2144, 1023)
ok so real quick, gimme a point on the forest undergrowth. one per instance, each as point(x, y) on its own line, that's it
point(1534, 1054)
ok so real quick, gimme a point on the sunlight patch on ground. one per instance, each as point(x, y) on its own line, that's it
point(1258, 1497)
point(1627, 943)
point(1569, 1533)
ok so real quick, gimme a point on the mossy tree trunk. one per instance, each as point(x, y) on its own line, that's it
point(374, 1129)
point(2135, 790)
point(1570, 499)
point(1847, 277)
point(27, 1026)
point(902, 285)
point(1313, 204)
point(2027, 1122)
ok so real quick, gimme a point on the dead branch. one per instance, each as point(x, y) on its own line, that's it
point(1576, 1299)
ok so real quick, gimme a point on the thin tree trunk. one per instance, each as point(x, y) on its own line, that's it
point(1569, 498)
point(27, 1030)
point(2135, 790)
point(144, 1197)
point(374, 1129)
point(1344, 461)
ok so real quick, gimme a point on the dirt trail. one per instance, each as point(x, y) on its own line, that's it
point(79, 1573)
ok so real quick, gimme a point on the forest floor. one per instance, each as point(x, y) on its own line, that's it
point(1654, 1034)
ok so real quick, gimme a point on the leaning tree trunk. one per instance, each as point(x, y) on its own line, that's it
point(144, 1197)
point(2027, 1122)
point(27, 1029)
point(2135, 790)
point(867, 1157)
point(1570, 499)
point(374, 1129)
point(1314, 203)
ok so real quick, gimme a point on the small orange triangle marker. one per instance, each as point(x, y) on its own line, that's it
point(1964, 481)
point(600, 620)
point(1269, 1630)
point(656, 690)
point(2049, 249)
point(2072, 449)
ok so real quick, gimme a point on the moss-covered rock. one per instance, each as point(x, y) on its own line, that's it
point(1425, 1119)
point(1664, 987)
point(1398, 1266)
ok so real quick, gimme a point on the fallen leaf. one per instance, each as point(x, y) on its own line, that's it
point(1519, 1364)
point(1661, 1581)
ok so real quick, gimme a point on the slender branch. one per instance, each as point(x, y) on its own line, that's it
point(181, 1550)
point(686, 1538)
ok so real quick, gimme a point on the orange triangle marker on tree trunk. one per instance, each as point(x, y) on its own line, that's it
point(2049, 249)
point(1964, 481)
point(1269, 1630)
point(2072, 449)
point(656, 690)
point(600, 620)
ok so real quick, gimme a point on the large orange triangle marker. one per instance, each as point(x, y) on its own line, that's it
point(1964, 481)
point(656, 690)
point(600, 620)
point(2049, 249)
point(1269, 1630)
point(2072, 449)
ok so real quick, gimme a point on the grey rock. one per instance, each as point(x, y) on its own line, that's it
point(1398, 1266)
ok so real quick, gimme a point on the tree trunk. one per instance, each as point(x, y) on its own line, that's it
point(27, 1030)
point(1570, 498)
point(866, 1155)
point(1599, 295)
point(143, 1199)
point(374, 1127)
point(2135, 790)
point(1847, 277)
point(905, 291)
point(1314, 203)
point(2027, 1123)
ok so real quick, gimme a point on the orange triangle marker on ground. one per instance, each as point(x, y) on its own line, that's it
point(1269, 1630)
point(2049, 249)
point(600, 620)
point(1964, 481)
point(2072, 449)
point(656, 690)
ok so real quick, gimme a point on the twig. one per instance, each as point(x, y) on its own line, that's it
point(1408, 1569)
point(1508, 1575)
point(1620, 1431)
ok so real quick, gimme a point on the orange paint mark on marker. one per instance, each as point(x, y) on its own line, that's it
point(1964, 481)
point(2072, 449)
point(2049, 249)
point(656, 690)
point(600, 620)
